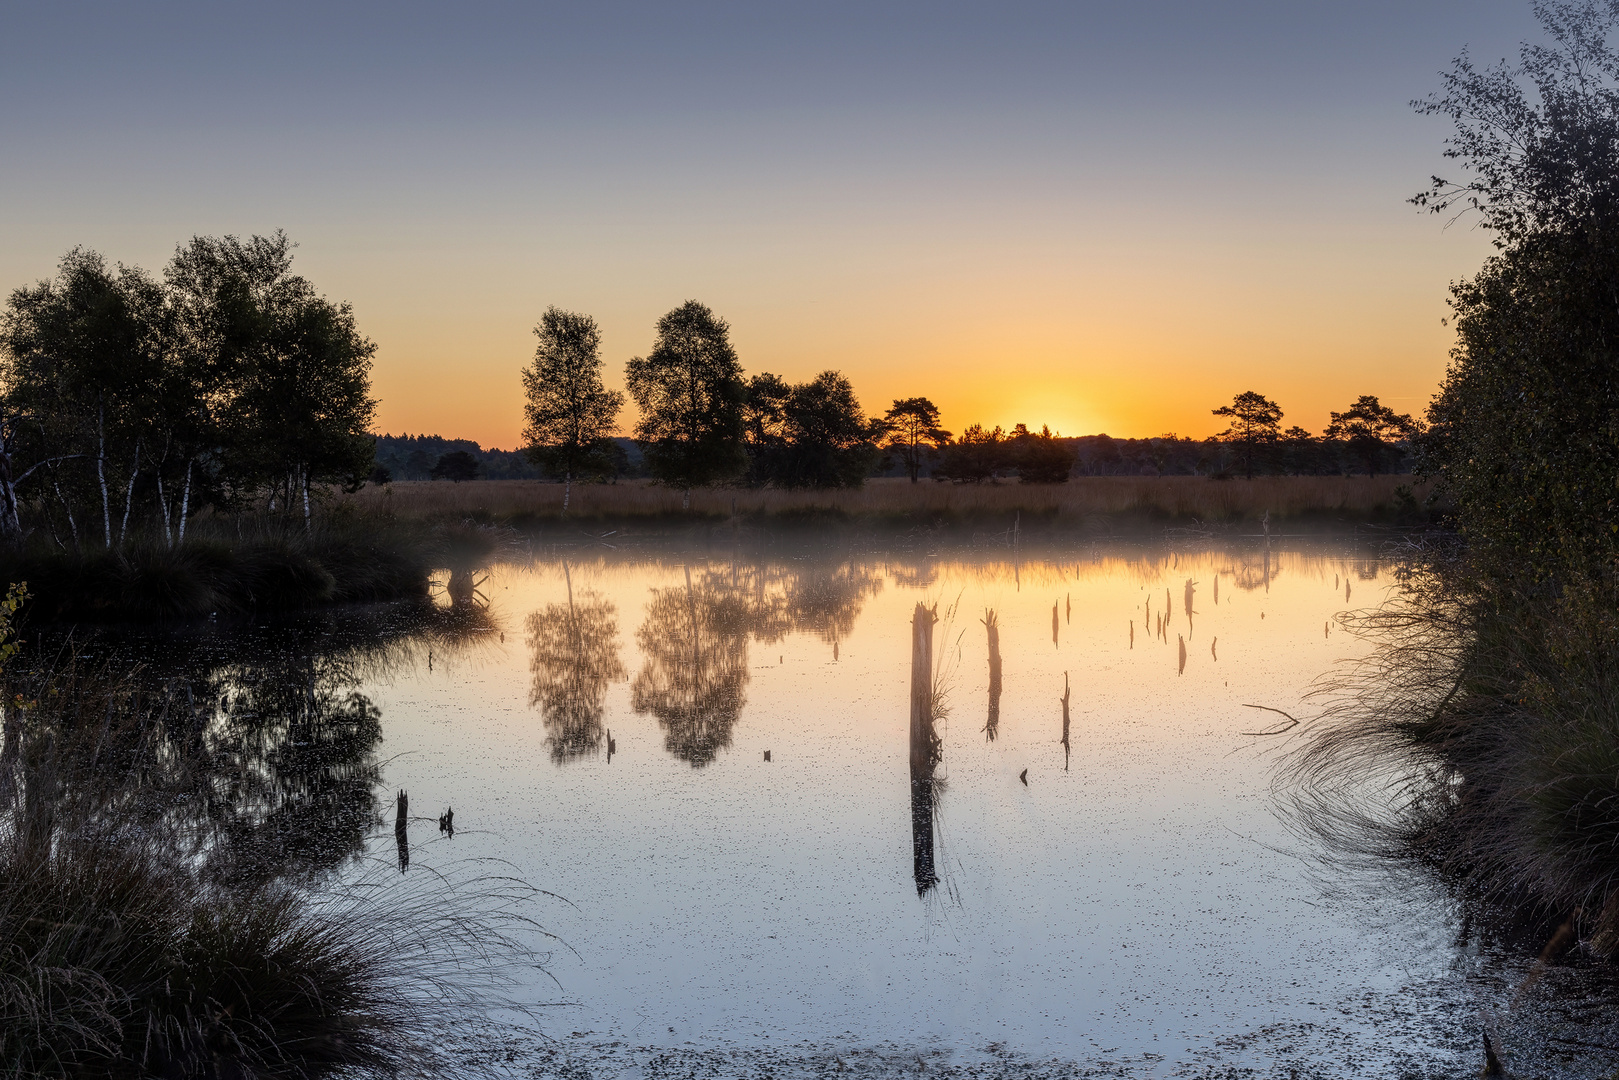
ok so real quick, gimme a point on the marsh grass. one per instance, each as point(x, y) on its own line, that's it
point(1083, 500)
point(234, 566)
point(121, 956)
point(1479, 738)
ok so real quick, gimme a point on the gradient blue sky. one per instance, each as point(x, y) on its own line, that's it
point(1097, 216)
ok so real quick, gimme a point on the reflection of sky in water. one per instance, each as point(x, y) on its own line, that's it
point(1134, 903)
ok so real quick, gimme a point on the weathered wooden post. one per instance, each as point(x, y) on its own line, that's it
point(922, 692)
point(924, 749)
point(992, 626)
point(401, 817)
point(1065, 748)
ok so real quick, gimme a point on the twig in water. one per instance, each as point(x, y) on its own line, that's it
point(1294, 720)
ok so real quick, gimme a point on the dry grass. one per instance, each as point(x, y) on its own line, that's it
point(1180, 497)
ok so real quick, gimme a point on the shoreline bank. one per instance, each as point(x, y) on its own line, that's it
point(1157, 500)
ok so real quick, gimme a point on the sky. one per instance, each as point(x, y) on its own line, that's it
point(1094, 216)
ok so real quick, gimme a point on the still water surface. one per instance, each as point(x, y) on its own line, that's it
point(707, 756)
point(1134, 898)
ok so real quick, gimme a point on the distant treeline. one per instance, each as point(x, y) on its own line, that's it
point(1169, 455)
point(430, 457)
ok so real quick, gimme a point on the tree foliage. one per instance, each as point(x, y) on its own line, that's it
point(912, 425)
point(809, 435)
point(689, 390)
point(1525, 430)
point(1255, 420)
point(571, 415)
point(573, 658)
point(974, 457)
point(1538, 141)
point(456, 466)
point(1041, 458)
point(1369, 428)
point(127, 401)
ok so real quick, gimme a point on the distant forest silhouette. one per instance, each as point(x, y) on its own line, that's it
point(413, 457)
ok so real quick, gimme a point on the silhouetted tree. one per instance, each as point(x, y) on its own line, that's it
point(1522, 432)
point(975, 456)
point(84, 361)
point(457, 465)
point(810, 435)
point(1040, 458)
point(1302, 453)
point(1369, 428)
point(1105, 458)
point(229, 381)
point(912, 425)
point(571, 415)
point(1253, 429)
point(298, 410)
point(764, 425)
point(689, 390)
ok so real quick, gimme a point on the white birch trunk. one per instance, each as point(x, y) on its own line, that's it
point(129, 495)
point(72, 526)
point(185, 500)
point(101, 474)
point(10, 522)
point(163, 508)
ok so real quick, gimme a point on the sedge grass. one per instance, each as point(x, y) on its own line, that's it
point(121, 956)
point(1480, 738)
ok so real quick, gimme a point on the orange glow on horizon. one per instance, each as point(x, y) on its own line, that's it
point(1120, 336)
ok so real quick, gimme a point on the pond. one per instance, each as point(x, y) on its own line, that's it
point(708, 757)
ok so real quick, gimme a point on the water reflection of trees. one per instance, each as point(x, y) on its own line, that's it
point(694, 640)
point(254, 752)
point(694, 645)
point(1251, 571)
point(826, 601)
point(574, 655)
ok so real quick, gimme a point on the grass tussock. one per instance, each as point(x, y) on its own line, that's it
point(1182, 498)
point(121, 956)
point(1481, 739)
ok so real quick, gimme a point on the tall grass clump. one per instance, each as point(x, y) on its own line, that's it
point(121, 955)
point(1481, 739)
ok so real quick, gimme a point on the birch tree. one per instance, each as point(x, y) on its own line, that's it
point(571, 414)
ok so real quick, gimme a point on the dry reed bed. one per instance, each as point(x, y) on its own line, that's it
point(1180, 497)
